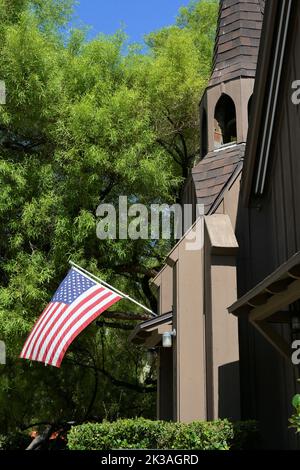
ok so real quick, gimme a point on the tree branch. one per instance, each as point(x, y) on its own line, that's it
point(148, 293)
point(107, 190)
point(124, 316)
point(34, 425)
point(40, 440)
point(135, 269)
point(168, 149)
point(115, 325)
point(114, 381)
point(185, 150)
point(95, 391)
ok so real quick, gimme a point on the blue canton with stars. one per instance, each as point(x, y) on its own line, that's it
point(72, 287)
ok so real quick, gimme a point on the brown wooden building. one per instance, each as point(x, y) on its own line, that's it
point(238, 364)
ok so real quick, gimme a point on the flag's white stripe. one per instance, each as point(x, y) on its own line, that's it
point(57, 321)
point(49, 321)
point(56, 337)
point(54, 316)
point(75, 327)
point(60, 321)
point(39, 328)
point(34, 328)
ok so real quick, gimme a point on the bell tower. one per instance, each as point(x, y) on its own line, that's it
point(226, 104)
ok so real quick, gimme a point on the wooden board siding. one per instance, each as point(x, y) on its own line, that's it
point(206, 369)
point(189, 345)
point(268, 234)
point(221, 333)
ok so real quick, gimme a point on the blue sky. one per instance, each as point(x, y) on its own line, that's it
point(139, 16)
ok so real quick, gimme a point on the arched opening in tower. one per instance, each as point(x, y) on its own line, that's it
point(249, 107)
point(204, 132)
point(225, 122)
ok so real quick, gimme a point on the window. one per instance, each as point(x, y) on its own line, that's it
point(225, 122)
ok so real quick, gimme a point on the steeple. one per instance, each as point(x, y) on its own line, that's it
point(237, 40)
point(226, 104)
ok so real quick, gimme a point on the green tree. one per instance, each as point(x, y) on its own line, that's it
point(173, 76)
point(83, 124)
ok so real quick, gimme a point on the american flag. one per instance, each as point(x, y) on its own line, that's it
point(76, 303)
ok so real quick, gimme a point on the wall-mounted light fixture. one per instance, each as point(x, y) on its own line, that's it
point(167, 338)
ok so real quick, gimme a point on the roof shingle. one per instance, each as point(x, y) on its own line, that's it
point(237, 40)
point(212, 174)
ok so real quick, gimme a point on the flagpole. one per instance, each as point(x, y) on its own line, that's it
point(88, 274)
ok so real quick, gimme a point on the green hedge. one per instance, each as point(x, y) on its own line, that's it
point(14, 441)
point(145, 434)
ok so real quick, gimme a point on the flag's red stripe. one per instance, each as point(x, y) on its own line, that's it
point(48, 341)
point(65, 332)
point(48, 326)
point(53, 308)
point(42, 329)
point(82, 327)
point(30, 336)
point(41, 334)
point(77, 321)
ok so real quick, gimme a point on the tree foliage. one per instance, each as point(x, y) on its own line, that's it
point(84, 123)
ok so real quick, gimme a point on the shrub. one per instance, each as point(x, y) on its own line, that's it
point(145, 434)
point(14, 441)
point(295, 419)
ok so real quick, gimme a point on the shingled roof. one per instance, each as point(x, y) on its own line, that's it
point(213, 174)
point(237, 40)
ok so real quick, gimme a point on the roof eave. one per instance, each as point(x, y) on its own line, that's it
point(144, 330)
